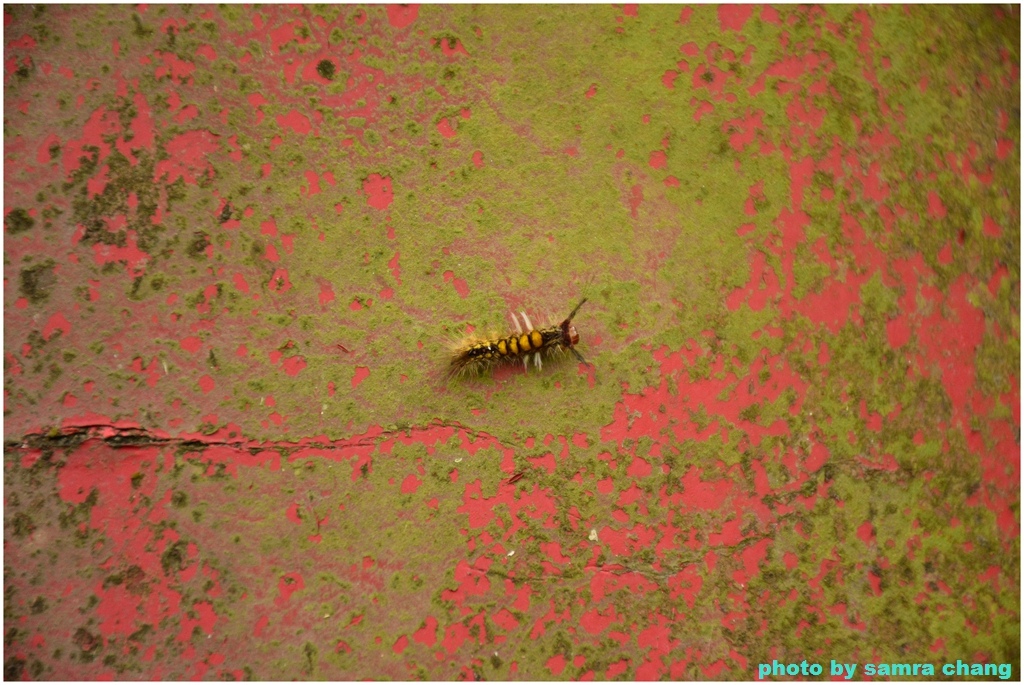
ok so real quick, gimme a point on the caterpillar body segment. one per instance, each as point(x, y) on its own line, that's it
point(478, 355)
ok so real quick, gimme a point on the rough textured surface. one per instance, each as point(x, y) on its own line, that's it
point(239, 241)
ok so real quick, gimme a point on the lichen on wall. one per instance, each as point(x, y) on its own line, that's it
point(239, 242)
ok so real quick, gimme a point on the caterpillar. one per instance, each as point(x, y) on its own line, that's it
point(478, 355)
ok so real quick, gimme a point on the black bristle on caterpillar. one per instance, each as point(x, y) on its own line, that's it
point(480, 354)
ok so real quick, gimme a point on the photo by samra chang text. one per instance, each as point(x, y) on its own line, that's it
point(780, 669)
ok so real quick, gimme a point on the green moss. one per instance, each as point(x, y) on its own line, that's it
point(174, 558)
point(536, 228)
point(326, 69)
point(37, 281)
point(22, 524)
point(18, 221)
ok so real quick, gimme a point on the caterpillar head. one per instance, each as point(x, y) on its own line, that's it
point(569, 335)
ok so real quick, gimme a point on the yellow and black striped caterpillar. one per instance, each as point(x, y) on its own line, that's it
point(477, 355)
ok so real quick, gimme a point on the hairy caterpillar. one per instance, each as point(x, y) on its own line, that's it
point(477, 355)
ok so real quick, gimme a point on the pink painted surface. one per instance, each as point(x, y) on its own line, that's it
point(238, 242)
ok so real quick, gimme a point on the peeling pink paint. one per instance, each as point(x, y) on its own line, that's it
point(716, 531)
point(378, 191)
point(57, 322)
point(401, 16)
point(188, 157)
point(445, 129)
point(296, 121)
point(361, 374)
point(734, 17)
